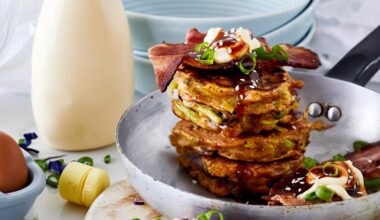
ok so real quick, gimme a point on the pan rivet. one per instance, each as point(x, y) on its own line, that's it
point(333, 113)
point(315, 109)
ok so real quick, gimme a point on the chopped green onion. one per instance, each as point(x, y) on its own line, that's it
point(135, 219)
point(21, 141)
point(324, 193)
point(372, 183)
point(279, 53)
point(243, 69)
point(200, 46)
point(279, 115)
point(107, 159)
point(207, 58)
point(311, 196)
point(309, 162)
point(43, 164)
point(289, 144)
point(338, 157)
point(262, 54)
point(157, 218)
point(209, 214)
point(86, 160)
point(326, 169)
point(359, 144)
point(52, 180)
point(269, 122)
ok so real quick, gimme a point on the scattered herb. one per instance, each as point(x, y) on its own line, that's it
point(43, 164)
point(207, 58)
point(309, 162)
point(330, 169)
point(338, 157)
point(289, 144)
point(277, 52)
point(107, 159)
point(209, 214)
point(157, 218)
point(135, 219)
point(242, 67)
point(52, 180)
point(200, 46)
point(311, 196)
point(86, 160)
point(373, 184)
point(324, 193)
point(359, 144)
point(279, 115)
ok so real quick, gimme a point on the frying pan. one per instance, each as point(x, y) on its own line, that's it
point(150, 161)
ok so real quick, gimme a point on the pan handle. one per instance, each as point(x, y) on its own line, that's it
point(361, 63)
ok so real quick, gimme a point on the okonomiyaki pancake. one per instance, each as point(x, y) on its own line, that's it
point(230, 124)
point(236, 93)
point(225, 177)
point(272, 146)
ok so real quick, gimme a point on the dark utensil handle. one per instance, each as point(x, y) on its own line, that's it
point(361, 62)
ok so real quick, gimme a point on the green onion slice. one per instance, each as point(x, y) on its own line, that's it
point(309, 162)
point(311, 196)
point(338, 157)
point(107, 159)
point(52, 180)
point(324, 193)
point(207, 58)
point(359, 144)
point(209, 214)
point(327, 169)
point(279, 53)
point(289, 144)
point(200, 46)
point(43, 164)
point(243, 69)
point(372, 183)
point(279, 115)
point(86, 160)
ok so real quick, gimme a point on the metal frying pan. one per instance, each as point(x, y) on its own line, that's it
point(150, 162)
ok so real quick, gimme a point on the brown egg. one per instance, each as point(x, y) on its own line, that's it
point(13, 169)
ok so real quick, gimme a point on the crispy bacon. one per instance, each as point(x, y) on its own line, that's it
point(165, 59)
point(193, 36)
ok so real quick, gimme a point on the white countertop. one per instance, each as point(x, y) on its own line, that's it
point(341, 24)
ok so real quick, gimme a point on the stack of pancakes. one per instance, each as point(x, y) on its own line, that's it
point(239, 133)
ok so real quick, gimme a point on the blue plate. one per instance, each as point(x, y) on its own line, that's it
point(153, 21)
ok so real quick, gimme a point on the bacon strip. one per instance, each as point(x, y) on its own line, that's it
point(165, 59)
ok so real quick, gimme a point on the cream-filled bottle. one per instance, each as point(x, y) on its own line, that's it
point(82, 72)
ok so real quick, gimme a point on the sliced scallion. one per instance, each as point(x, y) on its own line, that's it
point(86, 160)
point(207, 58)
point(311, 196)
point(359, 144)
point(279, 115)
point(52, 180)
point(324, 193)
point(200, 46)
point(209, 214)
point(309, 162)
point(373, 184)
point(289, 144)
point(330, 169)
point(279, 53)
point(43, 164)
point(338, 157)
point(249, 70)
point(107, 159)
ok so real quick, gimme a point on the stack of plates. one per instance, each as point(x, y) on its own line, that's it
point(154, 21)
